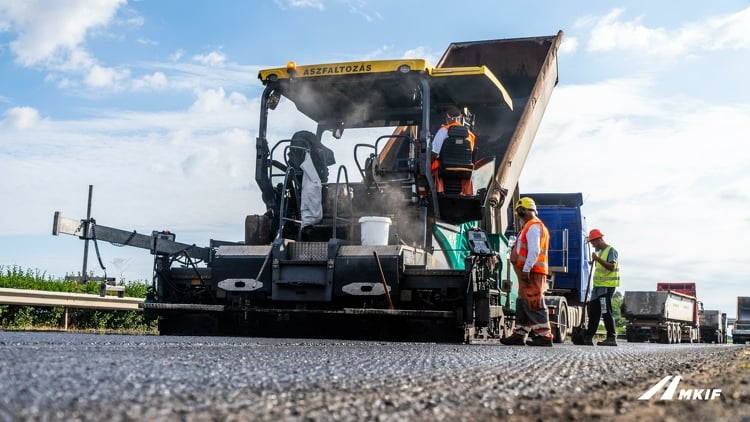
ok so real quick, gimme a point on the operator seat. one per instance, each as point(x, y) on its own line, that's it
point(456, 159)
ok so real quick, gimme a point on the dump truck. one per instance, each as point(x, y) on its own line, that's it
point(371, 248)
point(741, 326)
point(664, 316)
point(713, 326)
point(690, 331)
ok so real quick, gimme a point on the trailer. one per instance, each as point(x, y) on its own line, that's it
point(690, 331)
point(371, 248)
point(741, 326)
point(659, 316)
point(713, 326)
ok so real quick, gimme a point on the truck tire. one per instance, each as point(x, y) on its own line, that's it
point(560, 330)
point(665, 335)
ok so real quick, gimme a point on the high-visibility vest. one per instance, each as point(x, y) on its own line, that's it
point(436, 162)
point(604, 277)
point(541, 265)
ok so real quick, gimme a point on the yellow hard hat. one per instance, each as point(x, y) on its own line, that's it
point(525, 203)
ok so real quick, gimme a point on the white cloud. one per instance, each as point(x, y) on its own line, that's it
point(106, 77)
point(569, 45)
point(378, 53)
point(134, 21)
point(611, 32)
point(213, 58)
point(730, 32)
point(313, 4)
point(147, 41)
point(357, 7)
point(20, 118)
point(157, 80)
point(176, 56)
point(49, 30)
point(78, 60)
point(216, 100)
point(421, 53)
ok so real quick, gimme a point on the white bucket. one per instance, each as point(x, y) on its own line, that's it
point(374, 230)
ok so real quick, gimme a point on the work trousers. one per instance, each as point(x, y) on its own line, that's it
point(531, 311)
point(598, 310)
point(467, 187)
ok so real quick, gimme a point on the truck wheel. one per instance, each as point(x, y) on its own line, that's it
point(665, 336)
point(560, 331)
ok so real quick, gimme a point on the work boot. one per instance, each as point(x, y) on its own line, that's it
point(609, 341)
point(513, 340)
point(588, 340)
point(540, 341)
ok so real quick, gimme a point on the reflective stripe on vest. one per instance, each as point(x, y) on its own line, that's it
point(602, 276)
point(541, 265)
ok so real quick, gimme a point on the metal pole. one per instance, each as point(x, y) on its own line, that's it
point(382, 279)
point(84, 275)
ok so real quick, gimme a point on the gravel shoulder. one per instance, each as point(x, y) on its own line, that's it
point(730, 373)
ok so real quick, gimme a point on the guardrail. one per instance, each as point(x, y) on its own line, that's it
point(67, 300)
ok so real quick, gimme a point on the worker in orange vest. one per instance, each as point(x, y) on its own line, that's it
point(531, 264)
point(453, 117)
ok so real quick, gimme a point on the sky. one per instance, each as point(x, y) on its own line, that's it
point(155, 104)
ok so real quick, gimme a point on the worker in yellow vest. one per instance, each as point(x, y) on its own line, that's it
point(531, 264)
point(606, 281)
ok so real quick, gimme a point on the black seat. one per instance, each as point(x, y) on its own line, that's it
point(456, 160)
point(456, 155)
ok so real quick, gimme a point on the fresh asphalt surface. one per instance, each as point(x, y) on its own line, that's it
point(67, 376)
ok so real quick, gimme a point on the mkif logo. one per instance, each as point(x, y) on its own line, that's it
point(682, 394)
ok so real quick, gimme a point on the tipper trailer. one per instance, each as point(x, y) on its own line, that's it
point(386, 254)
point(689, 330)
point(713, 326)
point(659, 316)
point(741, 326)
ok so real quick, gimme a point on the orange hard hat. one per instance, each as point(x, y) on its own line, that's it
point(595, 234)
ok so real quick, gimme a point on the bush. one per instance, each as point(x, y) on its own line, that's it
point(29, 317)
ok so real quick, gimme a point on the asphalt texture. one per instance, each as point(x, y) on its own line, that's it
point(95, 377)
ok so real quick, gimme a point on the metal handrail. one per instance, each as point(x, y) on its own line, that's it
point(286, 149)
point(336, 199)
